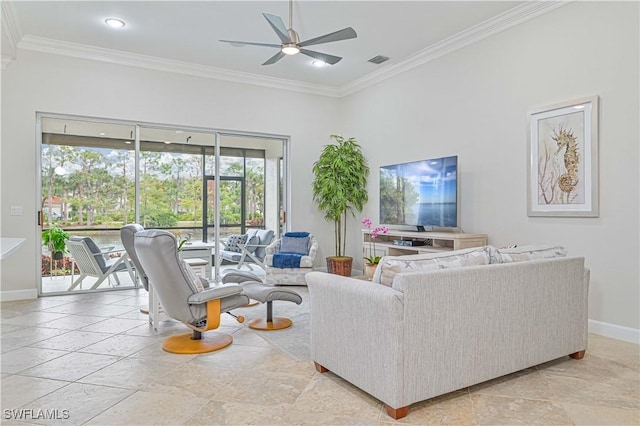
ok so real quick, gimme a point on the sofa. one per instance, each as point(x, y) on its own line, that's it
point(434, 330)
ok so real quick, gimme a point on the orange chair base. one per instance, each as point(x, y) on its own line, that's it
point(183, 344)
point(144, 309)
point(278, 323)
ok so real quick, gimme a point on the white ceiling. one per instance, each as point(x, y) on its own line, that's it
point(188, 31)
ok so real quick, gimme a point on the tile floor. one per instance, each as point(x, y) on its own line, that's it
point(94, 359)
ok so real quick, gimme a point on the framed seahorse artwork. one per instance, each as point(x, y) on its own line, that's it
point(563, 159)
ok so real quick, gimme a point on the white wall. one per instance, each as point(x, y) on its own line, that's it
point(57, 84)
point(474, 102)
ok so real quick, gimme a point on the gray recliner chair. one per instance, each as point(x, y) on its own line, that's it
point(183, 296)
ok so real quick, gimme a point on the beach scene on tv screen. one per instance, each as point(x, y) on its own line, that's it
point(419, 193)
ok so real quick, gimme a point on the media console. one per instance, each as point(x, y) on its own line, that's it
point(425, 242)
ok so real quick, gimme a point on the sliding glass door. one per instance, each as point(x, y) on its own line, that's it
point(97, 176)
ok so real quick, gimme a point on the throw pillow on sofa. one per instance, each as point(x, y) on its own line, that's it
point(524, 253)
point(233, 241)
point(389, 266)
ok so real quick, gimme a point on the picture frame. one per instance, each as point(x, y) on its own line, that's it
point(563, 159)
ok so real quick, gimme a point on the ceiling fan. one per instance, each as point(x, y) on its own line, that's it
point(291, 43)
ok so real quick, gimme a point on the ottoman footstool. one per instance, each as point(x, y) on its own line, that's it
point(267, 294)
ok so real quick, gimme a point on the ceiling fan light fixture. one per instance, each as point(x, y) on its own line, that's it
point(290, 49)
point(319, 64)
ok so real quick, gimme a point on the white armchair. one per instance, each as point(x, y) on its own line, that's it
point(299, 251)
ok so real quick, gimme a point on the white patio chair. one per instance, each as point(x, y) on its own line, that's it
point(91, 262)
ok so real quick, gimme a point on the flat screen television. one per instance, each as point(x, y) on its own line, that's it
point(420, 193)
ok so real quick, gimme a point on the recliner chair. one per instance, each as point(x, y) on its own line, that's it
point(183, 296)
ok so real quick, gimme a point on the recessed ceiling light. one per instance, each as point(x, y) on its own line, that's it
point(127, 142)
point(167, 142)
point(579, 106)
point(319, 64)
point(114, 23)
point(102, 133)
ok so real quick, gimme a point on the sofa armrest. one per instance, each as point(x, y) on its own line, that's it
point(352, 319)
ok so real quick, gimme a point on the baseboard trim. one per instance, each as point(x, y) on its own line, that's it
point(9, 295)
point(614, 331)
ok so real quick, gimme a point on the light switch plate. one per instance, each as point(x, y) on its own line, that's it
point(16, 210)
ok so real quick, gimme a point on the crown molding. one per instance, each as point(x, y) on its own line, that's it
point(10, 25)
point(495, 25)
point(10, 28)
point(93, 53)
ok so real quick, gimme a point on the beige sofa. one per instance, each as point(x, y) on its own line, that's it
point(435, 331)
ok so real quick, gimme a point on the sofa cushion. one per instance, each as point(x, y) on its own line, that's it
point(233, 241)
point(389, 266)
point(296, 245)
point(524, 253)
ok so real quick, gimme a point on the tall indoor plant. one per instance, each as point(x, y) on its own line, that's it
point(339, 188)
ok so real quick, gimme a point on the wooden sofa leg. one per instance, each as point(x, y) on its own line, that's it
point(397, 413)
point(577, 355)
point(320, 368)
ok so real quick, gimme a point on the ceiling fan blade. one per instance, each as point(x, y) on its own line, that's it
point(275, 58)
point(343, 34)
point(249, 43)
point(329, 59)
point(278, 26)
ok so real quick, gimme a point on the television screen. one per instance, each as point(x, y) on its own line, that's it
point(420, 193)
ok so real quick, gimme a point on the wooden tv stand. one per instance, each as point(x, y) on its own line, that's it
point(434, 242)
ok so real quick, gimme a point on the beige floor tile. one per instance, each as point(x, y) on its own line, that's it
point(33, 318)
point(248, 337)
point(454, 408)
point(614, 392)
point(73, 322)
point(598, 415)
point(134, 314)
point(9, 328)
point(108, 311)
point(499, 410)
point(120, 345)
point(234, 413)
point(113, 325)
point(82, 402)
point(71, 367)
point(27, 336)
point(338, 397)
point(72, 308)
point(71, 340)
point(165, 328)
point(134, 302)
point(295, 417)
point(27, 357)
point(130, 373)
point(529, 383)
point(238, 357)
point(191, 379)
point(262, 388)
point(616, 350)
point(19, 390)
point(146, 408)
point(154, 353)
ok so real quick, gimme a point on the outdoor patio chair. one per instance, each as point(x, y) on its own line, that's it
point(248, 249)
point(93, 262)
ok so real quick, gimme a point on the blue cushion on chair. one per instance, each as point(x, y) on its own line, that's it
point(297, 245)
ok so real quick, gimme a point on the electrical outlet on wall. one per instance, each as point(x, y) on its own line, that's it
point(16, 210)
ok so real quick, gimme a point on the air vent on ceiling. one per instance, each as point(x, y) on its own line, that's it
point(378, 59)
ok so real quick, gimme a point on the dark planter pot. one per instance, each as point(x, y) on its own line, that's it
point(57, 255)
point(339, 265)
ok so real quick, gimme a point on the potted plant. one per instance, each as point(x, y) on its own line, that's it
point(339, 188)
point(371, 261)
point(55, 239)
